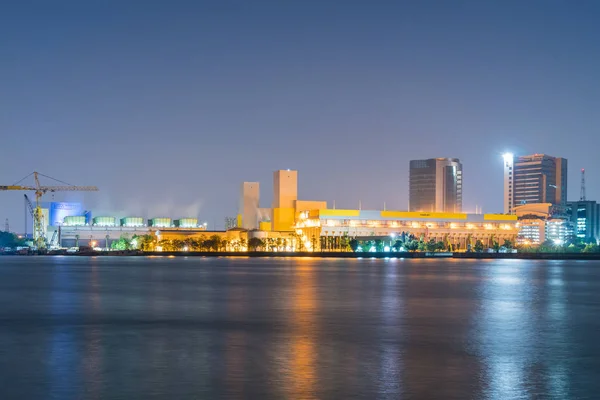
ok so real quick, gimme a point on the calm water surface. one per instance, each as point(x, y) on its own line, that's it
point(160, 328)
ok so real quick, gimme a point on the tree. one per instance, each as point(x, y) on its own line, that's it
point(208, 245)
point(366, 245)
point(177, 244)
point(353, 243)
point(496, 246)
point(397, 245)
point(412, 245)
point(224, 244)
point(508, 244)
point(188, 243)
point(378, 245)
point(431, 245)
point(243, 244)
point(478, 246)
point(345, 242)
point(440, 246)
point(547, 247)
point(11, 240)
point(314, 243)
point(255, 243)
point(147, 242)
point(591, 248)
point(124, 243)
point(165, 245)
point(215, 242)
point(421, 245)
point(300, 243)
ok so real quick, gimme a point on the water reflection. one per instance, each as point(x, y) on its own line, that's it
point(64, 356)
point(522, 313)
point(301, 375)
point(277, 329)
point(390, 369)
point(93, 348)
point(235, 341)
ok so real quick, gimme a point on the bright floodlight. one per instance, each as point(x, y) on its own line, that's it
point(507, 157)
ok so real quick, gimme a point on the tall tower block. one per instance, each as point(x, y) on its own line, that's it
point(285, 195)
point(249, 203)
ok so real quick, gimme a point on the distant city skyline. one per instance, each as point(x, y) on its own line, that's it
point(168, 109)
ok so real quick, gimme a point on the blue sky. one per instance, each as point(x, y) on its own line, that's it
point(169, 106)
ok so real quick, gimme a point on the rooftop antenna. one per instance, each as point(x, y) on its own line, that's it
point(359, 205)
point(384, 209)
point(582, 194)
point(334, 204)
point(6, 226)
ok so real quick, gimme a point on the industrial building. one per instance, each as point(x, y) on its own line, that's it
point(282, 214)
point(303, 223)
point(536, 178)
point(457, 229)
point(435, 185)
point(70, 225)
point(313, 220)
point(248, 213)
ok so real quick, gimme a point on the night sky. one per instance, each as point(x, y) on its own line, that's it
point(168, 106)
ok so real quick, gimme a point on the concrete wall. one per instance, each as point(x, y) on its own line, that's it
point(285, 188)
point(249, 205)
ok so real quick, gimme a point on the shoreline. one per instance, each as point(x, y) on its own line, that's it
point(349, 255)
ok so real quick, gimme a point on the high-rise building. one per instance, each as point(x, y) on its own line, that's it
point(248, 214)
point(537, 178)
point(285, 194)
point(435, 185)
point(585, 216)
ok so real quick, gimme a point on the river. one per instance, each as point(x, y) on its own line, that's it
point(212, 328)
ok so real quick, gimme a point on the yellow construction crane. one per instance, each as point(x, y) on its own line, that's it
point(38, 218)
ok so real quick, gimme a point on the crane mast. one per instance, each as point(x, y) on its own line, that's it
point(40, 190)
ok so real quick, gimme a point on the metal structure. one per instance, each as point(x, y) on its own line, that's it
point(582, 193)
point(6, 226)
point(40, 190)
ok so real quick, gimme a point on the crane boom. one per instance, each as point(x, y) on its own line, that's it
point(39, 192)
point(52, 189)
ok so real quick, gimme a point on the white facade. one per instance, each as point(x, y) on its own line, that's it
point(537, 231)
point(558, 231)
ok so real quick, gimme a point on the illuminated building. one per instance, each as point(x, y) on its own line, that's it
point(540, 222)
point(532, 231)
point(285, 203)
point(435, 185)
point(452, 228)
point(104, 221)
point(559, 231)
point(585, 216)
point(537, 178)
point(285, 194)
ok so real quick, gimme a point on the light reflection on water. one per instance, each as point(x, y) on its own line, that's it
point(298, 328)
